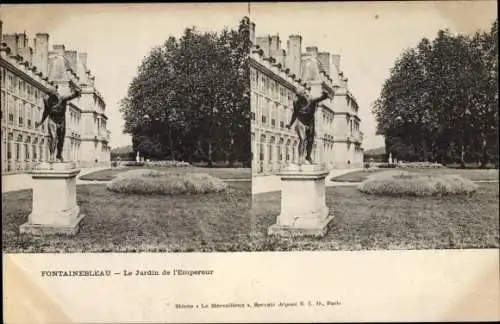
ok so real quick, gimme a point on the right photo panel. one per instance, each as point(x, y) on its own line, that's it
point(375, 125)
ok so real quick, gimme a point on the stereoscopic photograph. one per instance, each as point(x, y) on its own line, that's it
point(250, 162)
point(123, 131)
point(157, 144)
point(375, 126)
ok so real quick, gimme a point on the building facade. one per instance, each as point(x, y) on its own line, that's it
point(27, 75)
point(276, 76)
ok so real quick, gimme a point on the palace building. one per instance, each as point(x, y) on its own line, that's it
point(276, 75)
point(27, 75)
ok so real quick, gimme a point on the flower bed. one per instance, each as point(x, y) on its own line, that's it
point(168, 163)
point(402, 183)
point(152, 182)
point(420, 165)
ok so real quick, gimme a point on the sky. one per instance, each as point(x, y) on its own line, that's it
point(369, 36)
point(116, 38)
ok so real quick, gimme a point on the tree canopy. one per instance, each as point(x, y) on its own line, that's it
point(190, 98)
point(440, 101)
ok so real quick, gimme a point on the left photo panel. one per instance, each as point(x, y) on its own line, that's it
point(125, 128)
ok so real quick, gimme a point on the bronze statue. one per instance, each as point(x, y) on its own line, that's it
point(303, 111)
point(55, 109)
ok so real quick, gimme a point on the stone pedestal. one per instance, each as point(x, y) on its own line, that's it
point(303, 205)
point(55, 210)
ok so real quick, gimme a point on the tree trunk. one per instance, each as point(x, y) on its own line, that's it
point(210, 163)
point(231, 150)
point(424, 149)
point(210, 126)
point(171, 144)
point(462, 155)
point(484, 156)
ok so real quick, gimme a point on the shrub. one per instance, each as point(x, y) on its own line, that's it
point(421, 165)
point(151, 182)
point(114, 164)
point(397, 183)
point(169, 163)
point(367, 165)
point(387, 165)
point(133, 163)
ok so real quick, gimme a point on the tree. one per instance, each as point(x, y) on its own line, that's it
point(441, 100)
point(190, 97)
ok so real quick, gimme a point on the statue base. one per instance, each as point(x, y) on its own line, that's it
point(303, 202)
point(55, 210)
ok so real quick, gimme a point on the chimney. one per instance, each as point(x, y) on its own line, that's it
point(312, 50)
point(264, 42)
point(336, 61)
point(71, 57)
point(275, 46)
point(11, 41)
point(41, 58)
point(59, 49)
point(29, 55)
point(82, 57)
point(1, 31)
point(324, 60)
point(21, 44)
point(294, 54)
point(252, 33)
point(282, 57)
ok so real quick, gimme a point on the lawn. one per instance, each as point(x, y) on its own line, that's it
point(364, 222)
point(471, 174)
point(222, 173)
point(132, 223)
point(223, 222)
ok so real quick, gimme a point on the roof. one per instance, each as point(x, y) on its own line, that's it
point(310, 68)
point(58, 65)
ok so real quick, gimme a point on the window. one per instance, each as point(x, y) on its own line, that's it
point(26, 152)
point(273, 122)
point(253, 77)
point(11, 82)
point(18, 153)
point(264, 119)
point(253, 115)
point(282, 124)
point(9, 151)
point(3, 102)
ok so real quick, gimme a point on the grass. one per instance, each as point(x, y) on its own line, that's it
point(153, 182)
point(364, 222)
point(397, 183)
point(222, 173)
point(116, 222)
point(471, 174)
point(223, 222)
